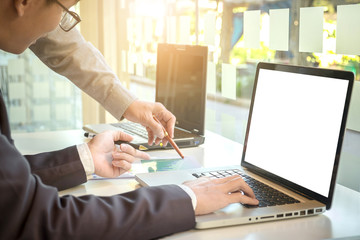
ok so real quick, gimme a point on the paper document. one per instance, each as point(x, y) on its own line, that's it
point(169, 164)
point(156, 164)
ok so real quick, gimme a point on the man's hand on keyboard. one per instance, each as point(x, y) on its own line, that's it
point(215, 193)
point(142, 112)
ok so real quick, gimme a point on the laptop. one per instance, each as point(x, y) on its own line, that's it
point(181, 88)
point(291, 149)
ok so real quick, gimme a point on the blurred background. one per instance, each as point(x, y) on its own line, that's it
point(239, 34)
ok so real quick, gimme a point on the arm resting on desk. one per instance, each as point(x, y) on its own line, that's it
point(62, 169)
point(32, 210)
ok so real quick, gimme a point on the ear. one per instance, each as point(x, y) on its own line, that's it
point(20, 6)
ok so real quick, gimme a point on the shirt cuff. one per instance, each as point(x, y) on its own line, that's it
point(86, 159)
point(191, 194)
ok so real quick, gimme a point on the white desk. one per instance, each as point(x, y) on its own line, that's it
point(343, 220)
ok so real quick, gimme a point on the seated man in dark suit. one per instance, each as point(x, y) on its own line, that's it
point(29, 203)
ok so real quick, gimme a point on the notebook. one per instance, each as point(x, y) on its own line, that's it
point(181, 88)
point(292, 146)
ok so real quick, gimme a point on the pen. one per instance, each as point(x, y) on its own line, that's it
point(171, 141)
point(136, 146)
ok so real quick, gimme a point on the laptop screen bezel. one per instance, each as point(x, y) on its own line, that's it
point(192, 50)
point(330, 73)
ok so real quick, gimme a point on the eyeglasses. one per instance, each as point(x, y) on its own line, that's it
point(69, 19)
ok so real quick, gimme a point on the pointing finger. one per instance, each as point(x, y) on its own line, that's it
point(156, 127)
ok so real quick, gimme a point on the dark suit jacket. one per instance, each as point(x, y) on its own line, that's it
point(30, 207)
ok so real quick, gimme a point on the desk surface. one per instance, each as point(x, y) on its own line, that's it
point(341, 221)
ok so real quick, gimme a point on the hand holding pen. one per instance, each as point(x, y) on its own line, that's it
point(171, 141)
point(142, 112)
point(136, 146)
point(109, 160)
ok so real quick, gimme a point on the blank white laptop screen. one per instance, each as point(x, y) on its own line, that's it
point(294, 132)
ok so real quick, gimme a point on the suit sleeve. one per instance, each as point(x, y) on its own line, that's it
point(68, 54)
point(61, 169)
point(31, 210)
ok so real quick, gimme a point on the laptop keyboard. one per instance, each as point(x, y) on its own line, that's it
point(266, 195)
point(132, 128)
point(135, 128)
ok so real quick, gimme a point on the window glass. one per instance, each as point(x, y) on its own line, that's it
point(224, 26)
point(37, 99)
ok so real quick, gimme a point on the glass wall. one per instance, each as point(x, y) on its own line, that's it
point(240, 34)
point(37, 98)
